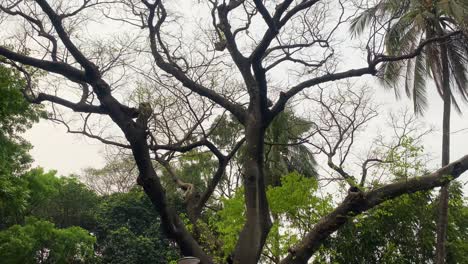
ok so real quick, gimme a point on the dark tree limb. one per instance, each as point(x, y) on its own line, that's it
point(61, 68)
point(154, 25)
point(134, 133)
point(370, 69)
point(357, 202)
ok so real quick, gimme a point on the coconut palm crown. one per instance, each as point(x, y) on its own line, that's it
point(410, 22)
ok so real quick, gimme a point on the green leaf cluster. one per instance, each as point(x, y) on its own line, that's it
point(16, 116)
point(40, 241)
point(400, 231)
point(294, 204)
point(128, 230)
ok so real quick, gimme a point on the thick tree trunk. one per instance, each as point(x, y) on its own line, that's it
point(258, 223)
point(442, 219)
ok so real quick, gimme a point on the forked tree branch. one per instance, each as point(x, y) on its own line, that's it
point(134, 133)
point(154, 26)
point(370, 69)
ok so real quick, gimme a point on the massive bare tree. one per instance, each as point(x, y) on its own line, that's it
point(248, 58)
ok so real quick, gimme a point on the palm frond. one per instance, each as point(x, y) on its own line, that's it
point(409, 76)
point(390, 74)
point(456, 10)
point(302, 160)
point(459, 67)
point(434, 63)
point(419, 84)
point(401, 37)
point(411, 21)
point(362, 21)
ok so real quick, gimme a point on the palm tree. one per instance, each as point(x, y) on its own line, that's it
point(284, 152)
point(411, 22)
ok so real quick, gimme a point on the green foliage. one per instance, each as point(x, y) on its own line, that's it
point(40, 242)
point(294, 204)
point(282, 153)
point(126, 225)
point(457, 230)
point(131, 210)
point(118, 175)
point(120, 221)
point(282, 157)
point(14, 198)
point(228, 222)
point(43, 186)
point(196, 167)
point(297, 201)
point(226, 131)
point(128, 230)
point(14, 155)
point(122, 246)
point(61, 200)
point(73, 205)
point(400, 231)
point(16, 115)
point(414, 21)
point(405, 161)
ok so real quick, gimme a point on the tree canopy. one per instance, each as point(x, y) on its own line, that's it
point(221, 110)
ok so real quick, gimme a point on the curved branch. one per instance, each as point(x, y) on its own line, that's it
point(76, 107)
point(370, 69)
point(237, 110)
point(223, 161)
point(357, 202)
point(61, 68)
point(56, 20)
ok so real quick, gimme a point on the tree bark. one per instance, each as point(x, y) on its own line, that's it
point(136, 135)
point(442, 219)
point(258, 223)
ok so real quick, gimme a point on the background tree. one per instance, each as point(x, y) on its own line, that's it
point(284, 148)
point(403, 229)
point(399, 231)
point(16, 115)
point(118, 175)
point(296, 207)
point(62, 200)
point(128, 230)
point(409, 22)
point(40, 242)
